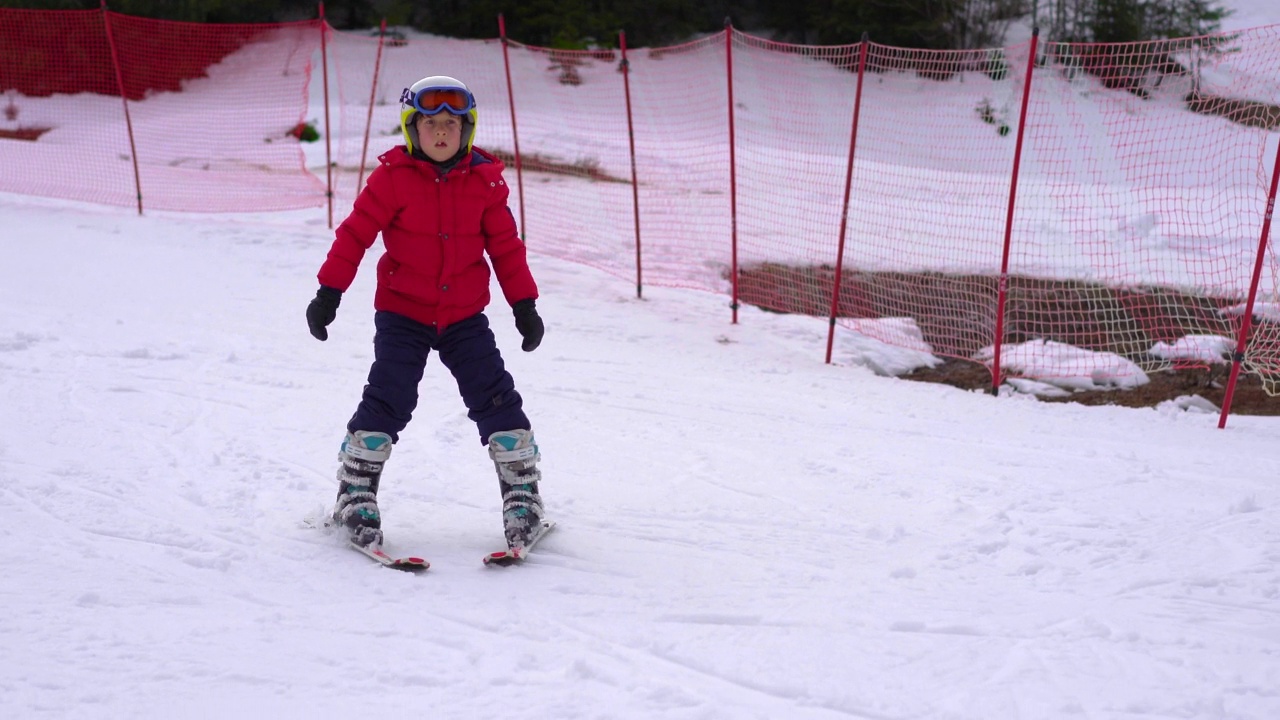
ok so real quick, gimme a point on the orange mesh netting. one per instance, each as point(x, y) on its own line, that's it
point(211, 109)
point(1142, 183)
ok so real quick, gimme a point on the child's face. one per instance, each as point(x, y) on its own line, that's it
point(440, 135)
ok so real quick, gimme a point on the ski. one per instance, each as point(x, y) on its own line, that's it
point(517, 554)
point(408, 563)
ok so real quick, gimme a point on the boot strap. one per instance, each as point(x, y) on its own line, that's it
point(513, 495)
point(346, 511)
point(361, 468)
point(512, 456)
point(363, 495)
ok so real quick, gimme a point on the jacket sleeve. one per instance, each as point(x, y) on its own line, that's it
point(374, 209)
point(505, 248)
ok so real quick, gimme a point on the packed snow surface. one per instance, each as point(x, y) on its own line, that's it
point(745, 531)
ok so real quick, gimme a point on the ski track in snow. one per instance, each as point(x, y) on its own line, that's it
point(744, 531)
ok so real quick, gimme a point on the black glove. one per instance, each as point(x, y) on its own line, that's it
point(322, 310)
point(529, 324)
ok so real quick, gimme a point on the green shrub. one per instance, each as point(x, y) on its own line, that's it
point(305, 132)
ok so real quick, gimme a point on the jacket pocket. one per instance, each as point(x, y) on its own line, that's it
point(404, 280)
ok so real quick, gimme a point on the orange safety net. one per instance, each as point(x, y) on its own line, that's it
point(208, 110)
point(1142, 183)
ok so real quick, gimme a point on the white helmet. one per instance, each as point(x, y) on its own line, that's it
point(435, 94)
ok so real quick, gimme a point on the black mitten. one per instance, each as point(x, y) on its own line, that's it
point(529, 324)
point(322, 310)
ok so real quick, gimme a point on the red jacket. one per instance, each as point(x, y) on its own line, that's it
point(436, 230)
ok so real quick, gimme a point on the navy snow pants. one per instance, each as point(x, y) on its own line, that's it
point(470, 352)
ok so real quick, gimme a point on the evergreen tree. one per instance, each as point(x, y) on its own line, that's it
point(928, 24)
point(1117, 21)
point(239, 11)
point(1100, 21)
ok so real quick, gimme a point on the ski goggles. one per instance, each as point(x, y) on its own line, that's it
point(434, 100)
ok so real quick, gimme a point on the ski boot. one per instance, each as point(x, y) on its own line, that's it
point(515, 454)
point(363, 455)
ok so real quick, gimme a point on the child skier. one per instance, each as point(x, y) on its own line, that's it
point(441, 206)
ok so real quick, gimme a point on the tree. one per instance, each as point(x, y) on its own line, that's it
point(977, 24)
point(1138, 70)
point(930, 24)
point(1117, 21)
point(1089, 21)
point(238, 11)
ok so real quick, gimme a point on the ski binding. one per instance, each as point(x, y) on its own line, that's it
point(517, 554)
point(409, 563)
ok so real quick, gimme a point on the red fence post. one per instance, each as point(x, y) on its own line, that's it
point(848, 190)
point(324, 69)
point(733, 170)
point(373, 96)
point(1246, 325)
point(631, 137)
point(1002, 290)
point(515, 134)
point(124, 98)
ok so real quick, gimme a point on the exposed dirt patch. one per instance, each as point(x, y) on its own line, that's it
point(1249, 113)
point(957, 316)
point(585, 167)
point(1209, 383)
point(24, 133)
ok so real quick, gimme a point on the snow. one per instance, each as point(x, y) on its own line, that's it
point(1196, 348)
point(1062, 364)
point(1247, 14)
point(744, 530)
point(1188, 403)
point(1263, 311)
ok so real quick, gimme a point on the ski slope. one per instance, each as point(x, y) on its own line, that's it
point(745, 532)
